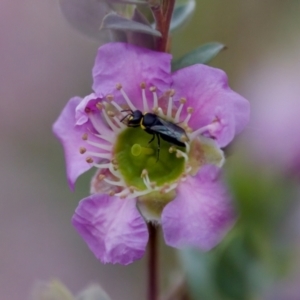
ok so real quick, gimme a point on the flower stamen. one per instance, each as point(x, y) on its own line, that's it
point(120, 88)
point(109, 122)
point(146, 179)
point(100, 155)
point(102, 166)
point(187, 146)
point(98, 145)
point(179, 110)
point(180, 154)
point(99, 126)
point(208, 128)
point(170, 103)
point(110, 99)
point(155, 99)
point(104, 137)
point(190, 110)
point(112, 182)
point(145, 102)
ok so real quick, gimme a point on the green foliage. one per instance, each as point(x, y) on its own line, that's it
point(182, 12)
point(117, 22)
point(257, 250)
point(201, 55)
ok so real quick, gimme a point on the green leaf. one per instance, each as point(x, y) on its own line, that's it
point(138, 38)
point(93, 292)
point(117, 22)
point(86, 16)
point(182, 12)
point(53, 290)
point(199, 268)
point(201, 55)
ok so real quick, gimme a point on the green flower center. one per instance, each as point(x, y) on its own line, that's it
point(134, 154)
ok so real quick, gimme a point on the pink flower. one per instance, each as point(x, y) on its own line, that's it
point(181, 190)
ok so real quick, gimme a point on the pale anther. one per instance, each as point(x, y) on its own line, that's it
point(164, 188)
point(172, 149)
point(85, 136)
point(143, 85)
point(89, 160)
point(119, 86)
point(190, 110)
point(144, 173)
point(110, 123)
point(182, 100)
point(99, 106)
point(110, 97)
point(153, 184)
point(110, 113)
point(132, 189)
point(184, 138)
point(180, 154)
point(171, 92)
point(101, 177)
point(82, 150)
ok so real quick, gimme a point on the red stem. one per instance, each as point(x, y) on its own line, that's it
point(163, 14)
point(152, 263)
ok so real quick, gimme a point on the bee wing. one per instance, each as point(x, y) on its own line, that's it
point(170, 129)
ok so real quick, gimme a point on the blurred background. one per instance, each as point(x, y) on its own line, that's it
point(44, 62)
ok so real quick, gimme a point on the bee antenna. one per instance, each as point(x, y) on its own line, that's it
point(124, 118)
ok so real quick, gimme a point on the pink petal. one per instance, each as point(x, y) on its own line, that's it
point(112, 227)
point(70, 135)
point(201, 214)
point(130, 65)
point(88, 102)
point(206, 90)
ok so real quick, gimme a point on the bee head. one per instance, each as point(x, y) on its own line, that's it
point(133, 118)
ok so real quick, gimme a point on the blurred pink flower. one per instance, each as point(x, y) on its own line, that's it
point(182, 190)
point(273, 135)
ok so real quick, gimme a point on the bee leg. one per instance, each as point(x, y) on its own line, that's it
point(153, 137)
point(158, 147)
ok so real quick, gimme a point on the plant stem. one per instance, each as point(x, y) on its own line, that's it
point(162, 15)
point(152, 263)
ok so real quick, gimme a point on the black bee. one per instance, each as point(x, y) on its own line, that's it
point(158, 127)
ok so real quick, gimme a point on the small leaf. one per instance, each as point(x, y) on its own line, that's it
point(117, 22)
point(199, 271)
point(93, 292)
point(182, 11)
point(201, 55)
point(86, 16)
point(53, 290)
point(138, 38)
